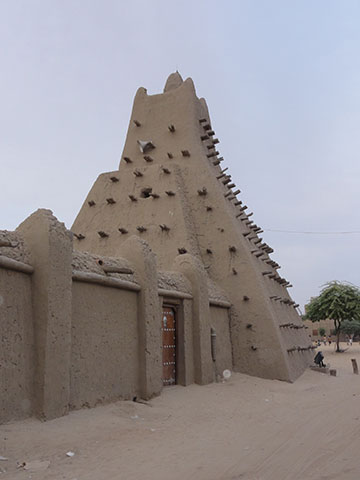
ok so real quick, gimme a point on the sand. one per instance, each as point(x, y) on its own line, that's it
point(246, 428)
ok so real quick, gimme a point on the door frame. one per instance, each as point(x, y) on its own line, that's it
point(177, 306)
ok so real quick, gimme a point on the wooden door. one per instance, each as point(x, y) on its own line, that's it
point(168, 328)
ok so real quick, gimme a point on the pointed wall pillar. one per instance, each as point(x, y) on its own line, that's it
point(194, 271)
point(50, 244)
point(138, 252)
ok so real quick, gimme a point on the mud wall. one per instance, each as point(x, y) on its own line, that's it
point(104, 345)
point(16, 346)
point(78, 329)
point(220, 322)
point(313, 328)
point(185, 319)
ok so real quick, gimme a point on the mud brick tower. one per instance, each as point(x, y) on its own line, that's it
point(172, 191)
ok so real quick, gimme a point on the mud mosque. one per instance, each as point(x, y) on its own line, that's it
point(163, 279)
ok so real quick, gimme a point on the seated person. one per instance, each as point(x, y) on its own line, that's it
point(319, 357)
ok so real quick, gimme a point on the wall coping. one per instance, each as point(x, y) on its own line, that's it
point(219, 303)
point(16, 265)
point(89, 277)
point(173, 293)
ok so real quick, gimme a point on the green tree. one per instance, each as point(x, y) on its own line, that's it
point(350, 327)
point(322, 332)
point(337, 301)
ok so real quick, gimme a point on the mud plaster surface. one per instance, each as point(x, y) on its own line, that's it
point(16, 346)
point(104, 352)
point(174, 281)
point(216, 292)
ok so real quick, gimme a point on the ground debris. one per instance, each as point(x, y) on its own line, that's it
point(34, 465)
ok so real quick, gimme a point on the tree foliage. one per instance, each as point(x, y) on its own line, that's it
point(322, 332)
point(338, 302)
point(350, 327)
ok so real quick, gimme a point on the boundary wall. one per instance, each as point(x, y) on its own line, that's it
point(78, 330)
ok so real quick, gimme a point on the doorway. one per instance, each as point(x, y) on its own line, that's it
point(168, 328)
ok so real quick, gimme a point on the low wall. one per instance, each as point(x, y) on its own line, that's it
point(313, 328)
point(16, 345)
point(104, 345)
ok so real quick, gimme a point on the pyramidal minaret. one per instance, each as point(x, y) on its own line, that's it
point(173, 191)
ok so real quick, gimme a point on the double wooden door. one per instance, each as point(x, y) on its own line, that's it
point(168, 327)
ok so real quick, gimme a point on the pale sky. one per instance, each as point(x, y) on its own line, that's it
point(281, 79)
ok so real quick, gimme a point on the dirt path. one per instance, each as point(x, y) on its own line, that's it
point(246, 428)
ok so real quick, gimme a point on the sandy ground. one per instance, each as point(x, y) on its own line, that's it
point(246, 428)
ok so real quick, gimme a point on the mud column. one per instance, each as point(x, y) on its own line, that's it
point(143, 259)
point(194, 271)
point(50, 244)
